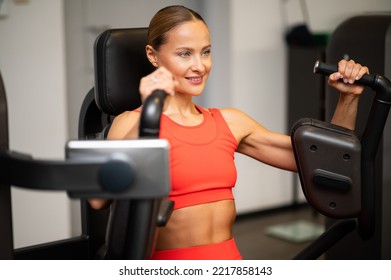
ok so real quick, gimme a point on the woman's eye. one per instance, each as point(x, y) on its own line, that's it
point(184, 54)
point(206, 53)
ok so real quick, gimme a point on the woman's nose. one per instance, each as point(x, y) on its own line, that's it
point(197, 64)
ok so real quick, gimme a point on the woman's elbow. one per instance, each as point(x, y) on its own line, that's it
point(98, 204)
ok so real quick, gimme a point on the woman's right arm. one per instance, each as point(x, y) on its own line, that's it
point(124, 126)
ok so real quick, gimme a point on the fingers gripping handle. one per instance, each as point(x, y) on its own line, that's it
point(380, 84)
point(328, 69)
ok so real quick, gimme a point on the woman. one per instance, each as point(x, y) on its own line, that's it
point(203, 141)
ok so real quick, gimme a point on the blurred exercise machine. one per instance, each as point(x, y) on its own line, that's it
point(355, 185)
point(134, 172)
point(337, 170)
point(367, 39)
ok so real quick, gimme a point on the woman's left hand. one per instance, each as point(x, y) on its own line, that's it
point(348, 72)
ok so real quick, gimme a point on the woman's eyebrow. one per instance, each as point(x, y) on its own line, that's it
point(192, 49)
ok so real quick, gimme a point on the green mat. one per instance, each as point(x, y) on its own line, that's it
point(296, 232)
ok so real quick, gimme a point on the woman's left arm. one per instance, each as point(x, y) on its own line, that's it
point(346, 110)
point(274, 148)
point(256, 141)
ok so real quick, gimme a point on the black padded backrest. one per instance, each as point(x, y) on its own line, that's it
point(120, 63)
point(93, 123)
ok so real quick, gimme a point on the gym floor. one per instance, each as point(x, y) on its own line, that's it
point(255, 239)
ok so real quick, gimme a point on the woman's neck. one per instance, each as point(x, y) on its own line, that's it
point(182, 111)
point(183, 106)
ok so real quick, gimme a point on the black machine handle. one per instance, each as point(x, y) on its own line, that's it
point(328, 69)
point(370, 142)
point(151, 115)
point(60, 175)
point(69, 175)
point(378, 83)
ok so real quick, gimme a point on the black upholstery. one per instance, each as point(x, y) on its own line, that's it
point(120, 63)
point(93, 123)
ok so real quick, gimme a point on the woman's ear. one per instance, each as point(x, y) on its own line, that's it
point(151, 54)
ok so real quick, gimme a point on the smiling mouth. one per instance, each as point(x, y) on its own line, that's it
point(194, 79)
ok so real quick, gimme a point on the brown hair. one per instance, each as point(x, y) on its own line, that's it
point(167, 19)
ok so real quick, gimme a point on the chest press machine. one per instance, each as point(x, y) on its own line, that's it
point(342, 191)
point(133, 173)
point(336, 167)
point(365, 232)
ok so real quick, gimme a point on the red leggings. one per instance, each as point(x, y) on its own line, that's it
point(225, 250)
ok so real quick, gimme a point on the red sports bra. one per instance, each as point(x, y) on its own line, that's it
point(201, 159)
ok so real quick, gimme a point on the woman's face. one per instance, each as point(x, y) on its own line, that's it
point(187, 56)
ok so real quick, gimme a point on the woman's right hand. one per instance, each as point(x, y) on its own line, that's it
point(160, 79)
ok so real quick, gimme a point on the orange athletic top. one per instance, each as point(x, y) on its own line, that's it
point(201, 159)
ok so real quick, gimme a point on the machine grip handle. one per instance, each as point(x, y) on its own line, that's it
point(151, 115)
point(370, 141)
point(328, 69)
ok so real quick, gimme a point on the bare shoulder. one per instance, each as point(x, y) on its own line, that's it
point(236, 117)
point(123, 124)
point(240, 124)
point(232, 114)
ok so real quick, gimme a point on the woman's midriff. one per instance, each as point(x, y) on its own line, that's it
point(198, 225)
